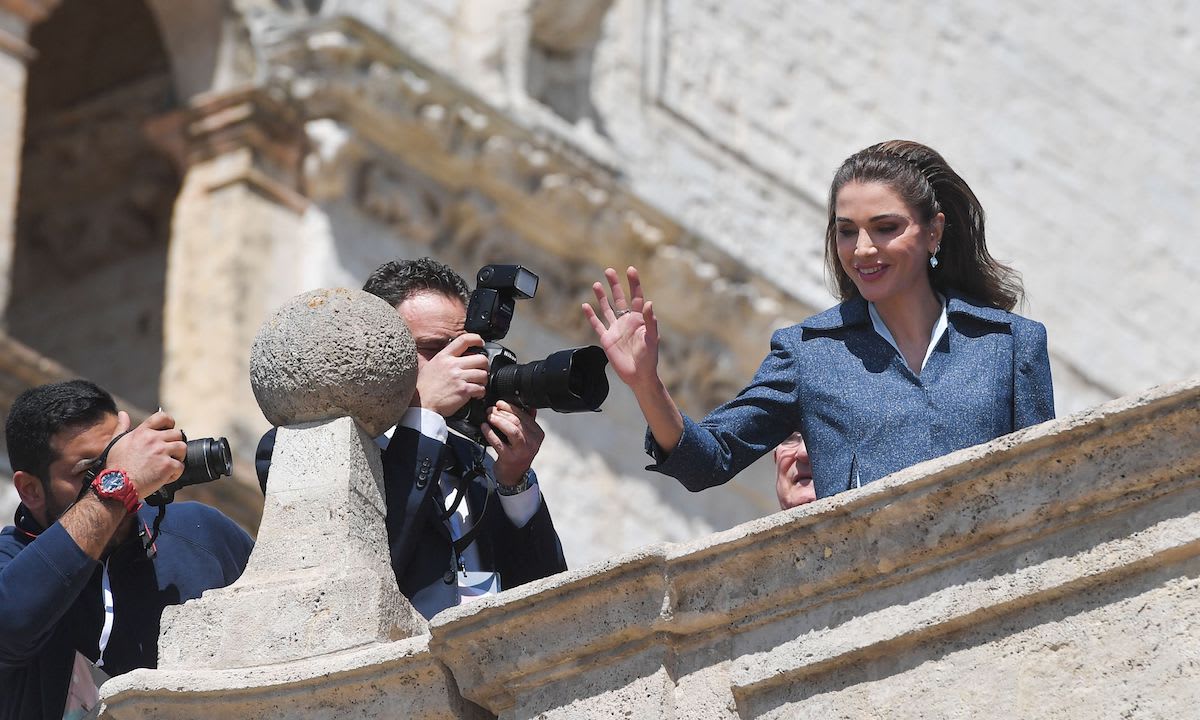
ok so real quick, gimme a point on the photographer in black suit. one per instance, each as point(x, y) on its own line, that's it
point(451, 539)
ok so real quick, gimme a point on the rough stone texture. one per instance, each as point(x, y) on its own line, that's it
point(320, 578)
point(975, 585)
point(12, 91)
point(235, 221)
point(328, 353)
point(1050, 573)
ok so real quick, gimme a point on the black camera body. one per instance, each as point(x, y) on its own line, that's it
point(566, 381)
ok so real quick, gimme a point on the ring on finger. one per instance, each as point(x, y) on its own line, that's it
point(619, 313)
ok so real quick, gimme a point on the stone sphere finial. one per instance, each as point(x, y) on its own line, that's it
point(330, 353)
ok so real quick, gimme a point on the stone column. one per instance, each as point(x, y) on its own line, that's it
point(16, 19)
point(316, 626)
point(237, 213)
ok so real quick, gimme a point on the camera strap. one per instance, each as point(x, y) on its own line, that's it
point(98, 464)
point(465, 476)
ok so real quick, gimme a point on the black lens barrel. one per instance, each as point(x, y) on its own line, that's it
point(207, 459)
point(566, 381)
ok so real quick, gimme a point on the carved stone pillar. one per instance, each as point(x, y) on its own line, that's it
point(237, 212)
point(16, 19)
point(315, 627)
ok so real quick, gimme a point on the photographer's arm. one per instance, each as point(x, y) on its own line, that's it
point(532, 549)
point(40, 581)
point(522, 439)
point(628, 332)
point(151, 455)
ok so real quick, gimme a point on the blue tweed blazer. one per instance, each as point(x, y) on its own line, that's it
point(863, 413)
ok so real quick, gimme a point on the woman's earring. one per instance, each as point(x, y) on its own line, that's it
point(933, 261)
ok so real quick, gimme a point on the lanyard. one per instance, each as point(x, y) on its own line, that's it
point(109, 615)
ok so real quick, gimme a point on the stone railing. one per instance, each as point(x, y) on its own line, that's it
point(1049, 573)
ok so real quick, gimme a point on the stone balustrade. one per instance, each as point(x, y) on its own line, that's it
point(1052, 573)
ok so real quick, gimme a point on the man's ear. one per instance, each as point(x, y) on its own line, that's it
point(31, 491)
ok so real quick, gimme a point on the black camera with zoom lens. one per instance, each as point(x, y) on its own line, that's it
point(207, 459)
point(566, 381)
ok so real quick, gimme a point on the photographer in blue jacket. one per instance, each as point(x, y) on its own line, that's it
point(86, 568)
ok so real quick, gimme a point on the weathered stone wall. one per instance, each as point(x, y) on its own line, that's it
point(1072, 122)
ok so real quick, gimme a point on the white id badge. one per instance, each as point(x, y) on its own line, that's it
point(473, 584)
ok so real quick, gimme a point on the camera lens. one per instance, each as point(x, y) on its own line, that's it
point(207, 459)
point(566, 381)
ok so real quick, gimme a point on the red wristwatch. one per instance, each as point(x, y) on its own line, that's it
point(113, 484)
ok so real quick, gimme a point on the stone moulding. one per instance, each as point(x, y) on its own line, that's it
point(249, 133)
point(371, 681)
point(562, 205)
point(1032, 517)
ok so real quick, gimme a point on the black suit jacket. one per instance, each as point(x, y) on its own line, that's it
point(420, 542)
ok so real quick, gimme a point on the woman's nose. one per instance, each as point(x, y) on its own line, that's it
point(863, 245)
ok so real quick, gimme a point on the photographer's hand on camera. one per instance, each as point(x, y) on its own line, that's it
point(151, 454)
point(522, 439)
point(452, 377)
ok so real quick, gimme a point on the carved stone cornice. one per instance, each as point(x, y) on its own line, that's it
point(250, 133)
point(412, 142)
point(999, 532)
point(369, 681)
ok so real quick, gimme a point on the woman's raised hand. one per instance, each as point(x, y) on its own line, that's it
point(627, 329)
point(628, 333)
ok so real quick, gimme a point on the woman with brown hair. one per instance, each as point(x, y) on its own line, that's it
point(922, 357)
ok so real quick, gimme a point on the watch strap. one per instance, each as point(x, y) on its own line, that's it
point(527, 479)
point(126, 493)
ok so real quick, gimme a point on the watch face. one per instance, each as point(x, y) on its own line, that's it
point(112, 481)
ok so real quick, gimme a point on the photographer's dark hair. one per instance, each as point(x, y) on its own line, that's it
point(398, 280)
point(40, 413)
point(924, 180)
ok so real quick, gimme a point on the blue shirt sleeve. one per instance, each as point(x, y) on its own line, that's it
point(1033, 389)
point(742, 430)
point(38, 584)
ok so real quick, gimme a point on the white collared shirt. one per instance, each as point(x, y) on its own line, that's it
point(939, 329)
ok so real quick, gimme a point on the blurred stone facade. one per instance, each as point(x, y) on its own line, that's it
point(171, 171)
